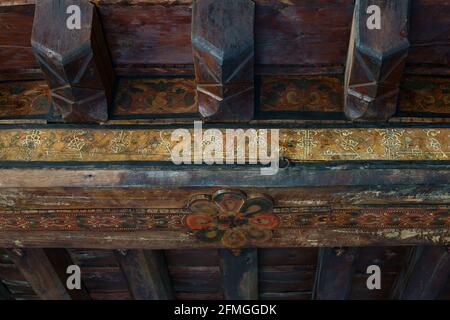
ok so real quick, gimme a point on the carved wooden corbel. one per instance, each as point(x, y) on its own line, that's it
point(68, 43)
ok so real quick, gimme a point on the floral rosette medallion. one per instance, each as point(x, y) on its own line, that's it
point(233, 218)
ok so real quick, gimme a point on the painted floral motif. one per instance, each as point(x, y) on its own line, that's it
point(233, 218)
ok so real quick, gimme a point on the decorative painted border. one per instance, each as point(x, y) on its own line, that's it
point(328, 144)
point(125, 220)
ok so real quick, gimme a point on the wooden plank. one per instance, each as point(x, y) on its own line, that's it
point(334, 273)
point(222, 39)
point(239, 272)
point(425, 275)
point(146, 273)
point(287, 36)
point(376, 58)
point(75, 60)
point(61, 260)
point(28, 144)
point(287, 238)
point(39, 272)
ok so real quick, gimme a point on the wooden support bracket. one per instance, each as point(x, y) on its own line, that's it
point(376, 59)
point(68, 43)
point(222, 38)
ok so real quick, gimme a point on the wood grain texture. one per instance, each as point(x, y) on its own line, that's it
point(76, 63)
point(222, 40)
point(147, 274)
point(39, 272)
point(239, 274)
point(425, 275)
point(334, 273)
point(376, 58)
point(308, 237)
point(286, 35)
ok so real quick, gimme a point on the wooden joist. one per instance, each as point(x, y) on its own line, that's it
point(426, 274)
point(37, 269)
point(222, 40)
point(147, 274)
point(239, 274)
point(60, 260)
point(74, 58)
point(377, 54)
point(334, 273)
point(4, 292)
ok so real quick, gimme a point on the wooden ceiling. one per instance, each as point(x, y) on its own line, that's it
point(86, 175)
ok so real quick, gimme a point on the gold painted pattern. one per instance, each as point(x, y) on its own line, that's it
point(329, 144)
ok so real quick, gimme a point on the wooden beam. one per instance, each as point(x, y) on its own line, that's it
point(40, 273)
point(239, 271)
point(376, 58)
point(222, 40)
point(60, 260)
point(425, 275)
point(334, 273)
point(75, 60)
point(147, 274)
point(4, 292)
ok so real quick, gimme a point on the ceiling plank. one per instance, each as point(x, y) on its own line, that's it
point(37, 269)
point(239, 272)
point(222, 39)
point(334, 273)
point(425, 275)
point(73, 55)
point(147, 274)
point(376, 59)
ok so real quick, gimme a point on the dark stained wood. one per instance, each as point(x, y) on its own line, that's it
point(146, 273)
point(39, 272)
point(4, 292)
point(60, 260)
point(376, 58)
point(334, 273)
point(76, 63)
point(101, 273)
point(426, 274)
point(157, 39)
point(222, 40)
point(239, 274)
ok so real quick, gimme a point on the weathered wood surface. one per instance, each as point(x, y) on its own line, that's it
point(425, 276)
point(40, 273)
point(335, 270)
point(75, 62)
point(376, 58)
point(239, 274)
point(288, 238)
point(223, 45)
point(147, 274)
point(292, 33)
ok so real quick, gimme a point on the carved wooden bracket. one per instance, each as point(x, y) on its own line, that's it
point(74, 59)
point(376, 58)
point(222, 38)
